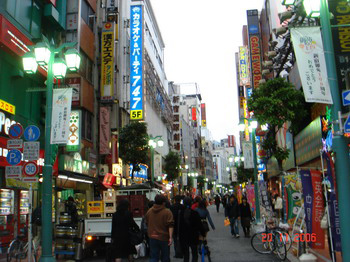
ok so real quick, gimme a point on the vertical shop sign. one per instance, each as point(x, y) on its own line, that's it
point(248, 155)
point(340, 10)
point(308, 198)
point(251, 196)
point(73, 143)
point(254, 47)
point(157, 165)
point(203, 115)
point(194, 113)
point(333, 203)
point(107, 62)
point(75, 84)
point(243, 66)
point(105, 130)
point(61, 108)
point(136, 61)
point(318, 209)
point(308, 48)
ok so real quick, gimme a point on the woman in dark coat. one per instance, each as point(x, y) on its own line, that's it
point(122, 221)
point(246, 216)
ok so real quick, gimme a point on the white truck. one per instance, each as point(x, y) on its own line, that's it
point(97, 231)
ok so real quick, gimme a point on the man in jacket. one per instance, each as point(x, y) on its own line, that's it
point(190, 229)
point(232, 213)
point(160, 228)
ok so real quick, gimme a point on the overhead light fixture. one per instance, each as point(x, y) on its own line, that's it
point(254, 124)
point(42, 53)
point(29, 63)
point(241, 127)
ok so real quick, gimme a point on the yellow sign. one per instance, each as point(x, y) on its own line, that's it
point(107, 62)
point(136, 114)
point(7, 107)
point(245, 110)
point(204, 123)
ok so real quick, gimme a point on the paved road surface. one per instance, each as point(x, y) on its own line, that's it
point(223, 247)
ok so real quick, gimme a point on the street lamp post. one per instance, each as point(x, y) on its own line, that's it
point(340, 145)
point(45, 56)
point(153, 143)
point(253, 126)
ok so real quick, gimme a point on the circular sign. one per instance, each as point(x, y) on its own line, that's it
point(30, 169)
point(14, 157)
point(15, 131)
point(31, 133)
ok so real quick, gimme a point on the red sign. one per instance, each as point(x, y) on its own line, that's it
point(231, 140)
point(194, 114)
point(109, 180)
point(30, 169)
point(255, 58)
point(15, 131)
point(317, 209)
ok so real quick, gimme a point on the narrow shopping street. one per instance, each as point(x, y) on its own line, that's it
point(223, 247)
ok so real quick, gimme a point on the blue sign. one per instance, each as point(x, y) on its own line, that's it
point(253, 29)
point(346, 97)
point(347, 125)
point(136, 79)
point(249, 92)
point(31, 133)
point(15, 131)
point(140, 174)
point(14, 157)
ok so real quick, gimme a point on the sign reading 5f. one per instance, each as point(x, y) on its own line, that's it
point(136, 83)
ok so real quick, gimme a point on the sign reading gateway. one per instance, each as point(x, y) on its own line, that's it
point(136, 57)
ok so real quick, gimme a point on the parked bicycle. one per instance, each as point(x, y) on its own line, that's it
point(272, 239)
point(18, 249)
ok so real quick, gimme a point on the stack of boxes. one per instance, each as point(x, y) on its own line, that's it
point(109, 203)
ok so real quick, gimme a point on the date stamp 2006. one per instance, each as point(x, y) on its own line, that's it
point(298, 237)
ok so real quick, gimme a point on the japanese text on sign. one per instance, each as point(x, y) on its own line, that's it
point(136, 57)
point(31, 151)
point(107, 63)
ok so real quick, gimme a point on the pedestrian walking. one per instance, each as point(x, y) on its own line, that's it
point(175, 209)
point(217, 203)
point(232, 213)
point(196, 202)
point(205, 217)
point(160, 224)
point(224, 201)
point(246, 216)
point(122, 223)
point(190, 228)
point(71, 209)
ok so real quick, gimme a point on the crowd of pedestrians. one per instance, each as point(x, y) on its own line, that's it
point(185, 224)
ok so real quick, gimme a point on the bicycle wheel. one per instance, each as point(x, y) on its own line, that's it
point(280, 245)
point(13, 250)
point(261, 244)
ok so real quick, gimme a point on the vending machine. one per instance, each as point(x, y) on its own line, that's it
point(7, 217)
point(23, 213)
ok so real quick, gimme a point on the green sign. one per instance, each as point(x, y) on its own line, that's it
point(73, 143)
point(68, 163)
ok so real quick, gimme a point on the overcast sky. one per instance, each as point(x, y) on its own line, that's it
point(201, 38)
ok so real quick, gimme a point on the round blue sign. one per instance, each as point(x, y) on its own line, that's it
point(14, 157)
point(15, 131)
point(31, 133)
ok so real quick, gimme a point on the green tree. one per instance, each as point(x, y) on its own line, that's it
point(244, 175)
point(172, 163)
point(277, 102)
point(133, 145)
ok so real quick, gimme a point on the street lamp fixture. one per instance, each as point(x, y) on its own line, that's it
point(29, 63)
point(312, 8)
point(72, 59)
point(59, 68)
point(230, 159)
point(241, 127)
point(42, 53)
point(227, 169)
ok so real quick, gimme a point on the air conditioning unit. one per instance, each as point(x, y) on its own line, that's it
point(271, 53)
point(265, 72)
point(268, 63)
point(262, 81)
point(280, 30)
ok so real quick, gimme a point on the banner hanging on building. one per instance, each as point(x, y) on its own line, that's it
point(244, 79)
point(333, 203)
point(305, 176)
point(105, 130)
point(318, 209)
point(107, 62)
point(136, 65)
point(293, 196)
point(61, 107)
point(73, 143)
point(308, 48)
point(248, 154)
point(231, 141)
point(251, 196)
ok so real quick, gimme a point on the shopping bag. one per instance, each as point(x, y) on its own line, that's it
point(226, 222)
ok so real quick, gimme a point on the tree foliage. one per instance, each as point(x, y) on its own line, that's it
point(244, 175)
point(172, 163)
point(277, 102)
point(133, 145)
